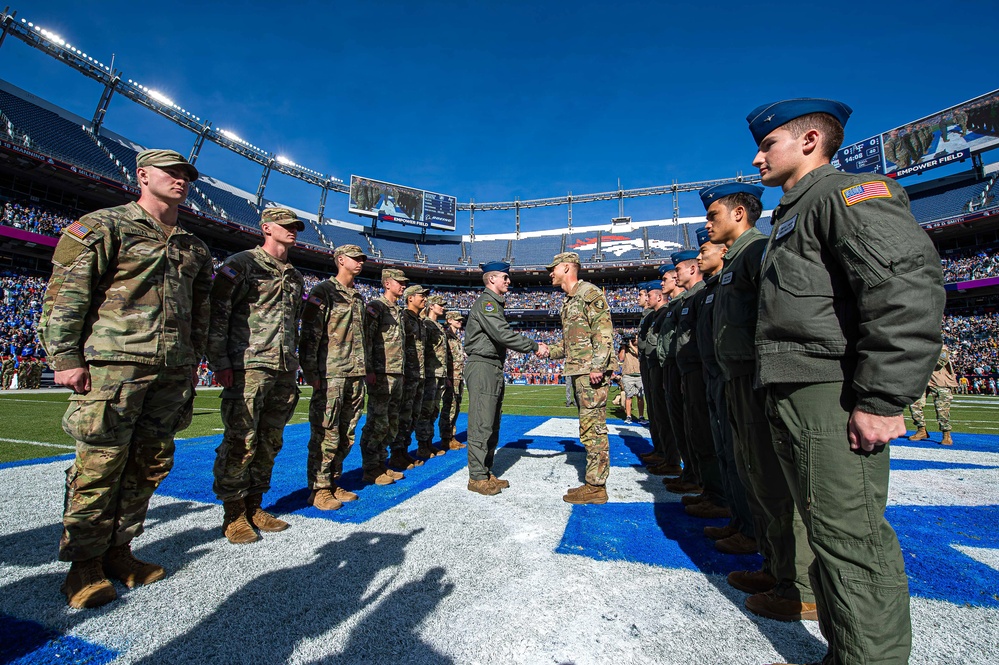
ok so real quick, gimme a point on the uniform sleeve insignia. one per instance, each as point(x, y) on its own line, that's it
point(78, 230)
point(315, 301)
point(868, 190)
point(727, 278)
point(710, 299)
point(599, 303)
point(684, 311)
point(372, 310)
point(489, 306)
point(229, 273)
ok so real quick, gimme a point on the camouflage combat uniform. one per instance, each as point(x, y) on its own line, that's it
point(451, 405)
point(943, 381)
point(128, 299)
point(384, 339)
point(24, 374)
point(256, 305)
point(7, 373)
point(35, 377)
point(412, 385)
point(588, 346)
point(434, 382)
point(332, 352)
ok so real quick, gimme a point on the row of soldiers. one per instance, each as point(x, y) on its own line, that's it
point(28, 372)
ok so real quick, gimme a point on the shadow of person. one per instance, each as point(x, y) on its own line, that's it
point(791, 640)
point(402, 611)
point(33, 547)
point(509, 453)
point(265, 620)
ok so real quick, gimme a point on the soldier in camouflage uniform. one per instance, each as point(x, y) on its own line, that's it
point(413, 378)
point(435, 382)
point(455, 386)
point(7, 371)
point(124, 324)
point(588, 348)
point(384, 341)
point(334, 363)
point(252, 348)
point(943, 381)
point(35, 377)
point(24, 373)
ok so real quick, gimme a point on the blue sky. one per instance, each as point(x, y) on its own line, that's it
point(494, 101)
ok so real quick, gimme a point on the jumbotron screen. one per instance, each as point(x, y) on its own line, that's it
point(403, 205)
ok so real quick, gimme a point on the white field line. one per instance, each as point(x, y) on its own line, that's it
point(39, 443)
point(31, 401)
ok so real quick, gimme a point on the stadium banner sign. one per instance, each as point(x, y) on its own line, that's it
point(403, 205)
point(945, 137)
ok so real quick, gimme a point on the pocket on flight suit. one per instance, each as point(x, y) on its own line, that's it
point(92, 418)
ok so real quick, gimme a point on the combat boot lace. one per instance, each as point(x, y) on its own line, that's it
point(595, 494)
point(323, 499)
point(920, 434)
point(260, 518)
point(121, 564)
point(86, 585)
point(499, 482)
point(235, 526)
point(342, 495)
point(377, 476)
point(484, 487)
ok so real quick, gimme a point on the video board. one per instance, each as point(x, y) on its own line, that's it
point(402, 205)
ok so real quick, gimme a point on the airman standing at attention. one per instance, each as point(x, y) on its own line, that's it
point(456, 385)
point(335, 363)
point(124, 324)
point(588, 348)
point(7, 372)
point(385, 342)
point(780, 589)
point(253, 350)
point(486, 341)
point(415, 298)
point(436, 379)
point(848, 284)
point(943, 381)
point(664, 460)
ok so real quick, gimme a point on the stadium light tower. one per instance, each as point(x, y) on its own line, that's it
point(263, 184)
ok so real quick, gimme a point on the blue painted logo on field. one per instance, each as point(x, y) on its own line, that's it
point(26, 642)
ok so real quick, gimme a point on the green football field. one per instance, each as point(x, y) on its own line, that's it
point(31, 420)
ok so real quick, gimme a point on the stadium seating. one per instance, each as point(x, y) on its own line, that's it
point(947, 203)
point(238, 208)
point(442, 253)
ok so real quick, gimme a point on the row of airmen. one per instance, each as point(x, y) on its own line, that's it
point(28, 372)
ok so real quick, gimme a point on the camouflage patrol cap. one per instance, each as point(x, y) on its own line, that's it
point(165, 158)
point(353, 251)
point(281, 217)
point(436, 300)
point(414, 290)
point(454, 316)
point(394, 273)
point(564, 257)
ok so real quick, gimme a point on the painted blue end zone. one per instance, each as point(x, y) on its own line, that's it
point(28, 643)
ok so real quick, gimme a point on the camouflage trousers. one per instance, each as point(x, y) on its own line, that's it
point(124, 429)
point(592, 404)
point(409, 409)
point(6, 379)
point(333, 414)
point(254, 412)
point(450, 408)
point(433, 392)
point(942, 398)
point(382, 422)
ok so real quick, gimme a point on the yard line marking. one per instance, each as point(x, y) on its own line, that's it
point(39, 443)
point(32, 401)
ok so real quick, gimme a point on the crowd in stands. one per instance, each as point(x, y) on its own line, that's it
point(974, 350)
point(20, 308)
point(972, 264)
point(34, 218)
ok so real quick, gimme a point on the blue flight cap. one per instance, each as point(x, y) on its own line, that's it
point(665, 268)
point(495, 266)
point(711, 194)
point(702, 236)
point(683, 255)
point(652, 285)
point(768, 117)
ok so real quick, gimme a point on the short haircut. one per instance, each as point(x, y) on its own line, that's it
point(488, 276)
point(751, 204)
point(832, 131)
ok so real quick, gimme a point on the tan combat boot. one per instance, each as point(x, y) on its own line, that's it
point(345, 496)
point(425, 451)
point(121, 564)
point(377, 476)
point(499, 482)
point(483, 487)
point(919, 435)
point(947, 441)
point(707, 510)
point(737, 543)
point(720, 532)
point(86, 585)
point(392, 473)
point(323, 499)
point(235, 526)
point(260, 518)
point(595, 494)
point(401, 461)
point(412, 460)
point(455, 444)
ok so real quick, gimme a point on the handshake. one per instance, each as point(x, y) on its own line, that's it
point(542, 351)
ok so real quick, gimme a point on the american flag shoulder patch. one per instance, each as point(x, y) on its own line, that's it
point(875, 189)
point(78, 230)
point(229, 273)
point(315, 301)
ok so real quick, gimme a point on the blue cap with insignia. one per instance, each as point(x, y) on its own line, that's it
point(702, 236)
point(711, 194)
point(653, 285)
point(768, 117)
point(665, 268)
point(683, 255)
point(495, 266)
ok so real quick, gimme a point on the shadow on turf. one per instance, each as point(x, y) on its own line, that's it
point(280, 612)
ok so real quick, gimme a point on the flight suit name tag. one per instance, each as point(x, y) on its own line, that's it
point(786, 227)
point(710, 299)
point(669, 314)
point(727, 278)
point(683, 312)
